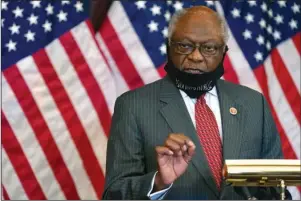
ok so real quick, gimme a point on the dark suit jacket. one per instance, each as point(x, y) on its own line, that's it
point(143, 118)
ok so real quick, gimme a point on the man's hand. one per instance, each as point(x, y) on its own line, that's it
point(173, 159)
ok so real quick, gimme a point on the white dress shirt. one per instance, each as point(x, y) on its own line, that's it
point(212, 101)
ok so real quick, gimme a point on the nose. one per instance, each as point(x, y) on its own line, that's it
point(196, 56)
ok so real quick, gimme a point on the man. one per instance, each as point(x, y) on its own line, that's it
point(169, 139)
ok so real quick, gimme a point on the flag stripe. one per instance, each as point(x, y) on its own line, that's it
point(98, 65)
point(297, 41)
point(237, 58)
point(295, 192)
point(230, 74)
point(288, 151)
point(83, 107)
point(69, 132)
point(130, 41)
point(49, 106)
point(119, 54)
point(287, 85)
point(26, 137)
point(95, 94)
point(87, 80)
point(291, 61)
point(119, 80)
point(99, 70)
point(282, 108)
point(4, 194)
point(42, 132)
point(97, 99)
point(14, 162)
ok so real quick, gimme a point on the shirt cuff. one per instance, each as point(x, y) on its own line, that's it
point(160, 194)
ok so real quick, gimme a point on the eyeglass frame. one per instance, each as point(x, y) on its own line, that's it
point(199, 46)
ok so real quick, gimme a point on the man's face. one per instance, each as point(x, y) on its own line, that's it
point(197, 29)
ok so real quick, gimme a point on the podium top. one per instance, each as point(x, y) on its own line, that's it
point(263, 162)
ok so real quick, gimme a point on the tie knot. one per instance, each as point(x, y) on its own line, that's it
point(201, 99)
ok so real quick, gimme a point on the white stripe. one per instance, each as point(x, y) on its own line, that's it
point(10, 180)
point(239, 62)
point(282, 108)
point(29, 143)
point(119, 79)
point(57, 126)
point(294, 192)
point(80, 100)
point(96, 63)
point(291, 59)
point(132, 44)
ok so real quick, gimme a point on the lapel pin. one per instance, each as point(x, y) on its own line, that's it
point(233, 110)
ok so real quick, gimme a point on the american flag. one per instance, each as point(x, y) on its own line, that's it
point(264, 52)
point(57, 98)
point(58, 89)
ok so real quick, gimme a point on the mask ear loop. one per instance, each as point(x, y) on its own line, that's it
point(226, 50)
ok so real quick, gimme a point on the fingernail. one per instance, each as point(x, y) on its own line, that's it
point(184, 148)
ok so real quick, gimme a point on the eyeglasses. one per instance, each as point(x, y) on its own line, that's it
point(206, 49)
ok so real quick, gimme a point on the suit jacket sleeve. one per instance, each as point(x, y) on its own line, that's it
point(125, 169)
point(271, 149)
point(271, 144)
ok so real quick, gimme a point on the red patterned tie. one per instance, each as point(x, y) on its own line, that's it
point(207, 130)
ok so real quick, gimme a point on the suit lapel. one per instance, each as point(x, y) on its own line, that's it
point(177, 117)
point(232, 124)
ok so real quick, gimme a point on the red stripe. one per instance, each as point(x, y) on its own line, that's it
point(120, 56)
point(20, 163)
point(88, 80)
point(288, 151)
point(42, 131)
point(287, 84)
point(297, 41)
point(230, 74)
point(5, 195)
point(80, 137)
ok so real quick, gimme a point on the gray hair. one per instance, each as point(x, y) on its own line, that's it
point(178, 14)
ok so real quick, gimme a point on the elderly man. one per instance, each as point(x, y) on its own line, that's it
point(169, 139)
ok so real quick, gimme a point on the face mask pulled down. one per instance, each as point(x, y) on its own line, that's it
point(194, 85)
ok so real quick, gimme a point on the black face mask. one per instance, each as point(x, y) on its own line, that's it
point(194, 85)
